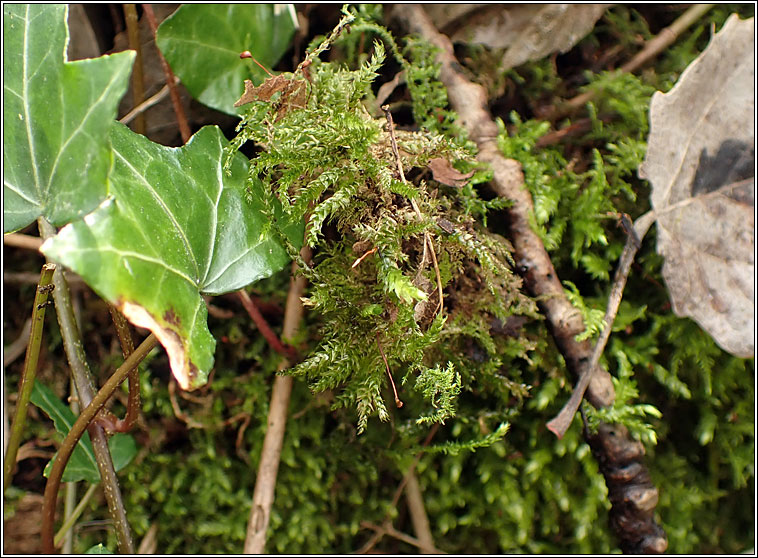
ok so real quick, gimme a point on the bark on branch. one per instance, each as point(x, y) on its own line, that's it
point(633, 497)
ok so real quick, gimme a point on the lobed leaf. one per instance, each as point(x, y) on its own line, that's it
point(56, 118)
point(177, 226)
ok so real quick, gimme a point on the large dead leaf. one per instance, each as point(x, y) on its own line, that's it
point(528, 31)
point(700, 161)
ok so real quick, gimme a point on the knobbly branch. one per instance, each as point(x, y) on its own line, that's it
point(633, 496)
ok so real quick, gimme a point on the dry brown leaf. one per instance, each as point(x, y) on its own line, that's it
point(528, 31)
point(444, 173)
point(294, 93)
point(701, 163)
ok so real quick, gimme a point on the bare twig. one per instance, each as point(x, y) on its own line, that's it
point(178, 413)
point(181, 117)
point(562, 421)
point(18, 347)
point(22, 241)
point(388, 529)
point(651, 49)
point(138, 79)
point(268, 468)
point(146, 104)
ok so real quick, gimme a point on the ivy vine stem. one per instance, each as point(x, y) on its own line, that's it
point(44, 287)
point(83, 422)
point(72, 344)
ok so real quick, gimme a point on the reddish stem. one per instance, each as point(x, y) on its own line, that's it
point(181, 118)
point(252, 309)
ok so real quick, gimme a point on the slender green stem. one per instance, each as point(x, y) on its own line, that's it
point(44, 287)
point(77, 430)
point(85, 388)
point(71, 519)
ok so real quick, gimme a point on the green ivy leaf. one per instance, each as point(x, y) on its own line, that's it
point(203, 42)
point(98, 549)
point(81, 465)
point(56, 118)
point(177, 226)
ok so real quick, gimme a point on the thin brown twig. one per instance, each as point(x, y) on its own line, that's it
point(20, 240)
point(652, 48)
point(389, 372)
point(178, 413)
point(417, 511)
point(252, 309)
point(181, 117)
point(268, 468)
point(563, 419)
point(146, 104)
point(388, 529)
point(138, 79)
point(18, 347)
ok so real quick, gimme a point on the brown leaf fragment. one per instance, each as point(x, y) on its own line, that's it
point(294, 93)
point(444, 173)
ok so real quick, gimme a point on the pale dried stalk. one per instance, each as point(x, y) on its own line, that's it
point(268, 468)
point(415, 499)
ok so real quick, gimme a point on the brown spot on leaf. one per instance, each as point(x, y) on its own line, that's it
point(444, 173)
point(170, 317)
